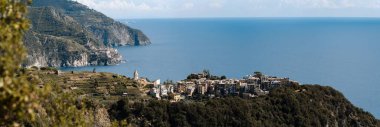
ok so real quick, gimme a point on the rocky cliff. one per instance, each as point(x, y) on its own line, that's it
point(66, 33)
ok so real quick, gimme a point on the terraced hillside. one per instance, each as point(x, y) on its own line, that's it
point(120, 101)
point(66, 33)
point(107, 88)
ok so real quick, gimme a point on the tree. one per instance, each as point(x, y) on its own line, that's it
point(120, 110)
point(206, 73)
point(20, 100)
point(192, 76)
point(64, 109)
point(258, 74)
point(17, 96)
point(168, 82)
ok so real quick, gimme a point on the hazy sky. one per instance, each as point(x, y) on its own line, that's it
point(235, 8)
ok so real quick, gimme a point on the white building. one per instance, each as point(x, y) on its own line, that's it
point(155, 93)
point(163, 90)
point(135, 75)
point(157, 82)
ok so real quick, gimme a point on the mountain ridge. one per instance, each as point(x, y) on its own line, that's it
point(68, 34)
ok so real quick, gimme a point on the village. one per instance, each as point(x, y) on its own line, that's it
point(205, 85)
point(196, 86)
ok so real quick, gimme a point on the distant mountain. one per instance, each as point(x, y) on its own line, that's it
point(67, 33)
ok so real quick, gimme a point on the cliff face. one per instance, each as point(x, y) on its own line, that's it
point(60, 52)
point(105, 29)
point(65, 33)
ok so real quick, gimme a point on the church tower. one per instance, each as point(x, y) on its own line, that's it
point(135, 75)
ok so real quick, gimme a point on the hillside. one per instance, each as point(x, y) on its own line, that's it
point(66, 33)
point(104, 87)
point(295, 105)
point(299, 106)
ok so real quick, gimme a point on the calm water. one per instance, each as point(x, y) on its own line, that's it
point(342, 53)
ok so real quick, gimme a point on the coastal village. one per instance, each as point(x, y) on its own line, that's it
point(196, 86)
point(199, 85)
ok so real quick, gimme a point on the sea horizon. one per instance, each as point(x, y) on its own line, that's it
point(268, 17)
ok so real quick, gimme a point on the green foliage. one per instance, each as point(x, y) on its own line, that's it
point(81, 24)
point(21, 103)
point(205, 74)
point(120, 110)
point(192, 76)
point(62, 109)
point(305, 105)
point(168, 82)
point(48, 68)
point(258, 73)
point(16, 94)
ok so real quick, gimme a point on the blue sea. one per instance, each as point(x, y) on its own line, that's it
point(340, 52)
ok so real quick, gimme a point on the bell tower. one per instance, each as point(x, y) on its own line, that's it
point(135, 75)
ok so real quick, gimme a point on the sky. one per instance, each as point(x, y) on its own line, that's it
point(234, 8)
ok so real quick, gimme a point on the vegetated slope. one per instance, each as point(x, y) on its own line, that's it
point(295, 105)
point(109, 31)
point(67, 33)
point(102, 86)
point(89, 92)
point(298, 105)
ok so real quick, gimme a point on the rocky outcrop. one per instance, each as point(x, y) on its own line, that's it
point(102, 118)
point(60, 52)
point(68, 34)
